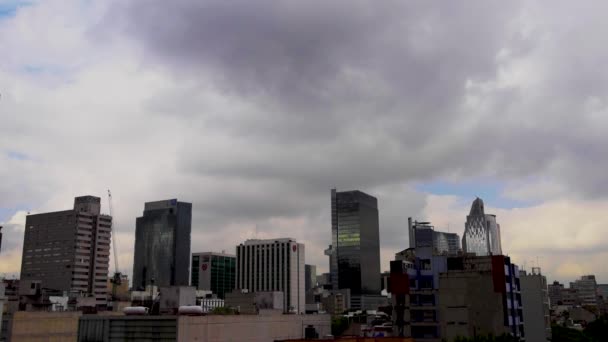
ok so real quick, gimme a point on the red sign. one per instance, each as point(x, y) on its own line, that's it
point(204, 267)
point(294, 248)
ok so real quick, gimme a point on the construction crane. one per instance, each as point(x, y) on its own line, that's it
point(117, 277)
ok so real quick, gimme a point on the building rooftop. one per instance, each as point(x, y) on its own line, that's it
point(259, 241)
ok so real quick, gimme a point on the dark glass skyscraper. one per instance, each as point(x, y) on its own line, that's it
point(162, 244)
point(355, 251)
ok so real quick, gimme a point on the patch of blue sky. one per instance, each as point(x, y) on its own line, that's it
point(17, 155)
point(7, 213)
point(491, 191)
point(8, 8)
point(38, 69)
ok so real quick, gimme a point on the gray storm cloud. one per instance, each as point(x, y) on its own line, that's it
point(253, 110)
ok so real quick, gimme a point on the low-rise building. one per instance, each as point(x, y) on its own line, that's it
point(251, 328)
point(252, 303)
point(30, 326)
point(171, 298)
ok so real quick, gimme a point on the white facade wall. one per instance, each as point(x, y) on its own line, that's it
point(273, 265)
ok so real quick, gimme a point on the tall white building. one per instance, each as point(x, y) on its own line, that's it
point(273, 265)
point(482, 232)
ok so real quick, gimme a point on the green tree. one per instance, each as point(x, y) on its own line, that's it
point(563, 334)
point(598, 329)
point(223, 311)
point(488, 338)
point(339, 325)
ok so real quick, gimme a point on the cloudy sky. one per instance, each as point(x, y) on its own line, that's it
point(254, 110)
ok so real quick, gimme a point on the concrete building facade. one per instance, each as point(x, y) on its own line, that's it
point(480, 296)
point(273, 265)
point(162, 245)
point(215, 272)
point(555, 291)
point(436, 297)
point(482, 232)
point(536, 307)
point(69, 251)
point(587, 290)
point(355, 249)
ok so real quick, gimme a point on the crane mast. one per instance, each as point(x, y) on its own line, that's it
point(117, 277)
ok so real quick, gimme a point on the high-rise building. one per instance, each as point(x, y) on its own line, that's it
point(0, 238)
point(443, 243)
point(215, 272)
point(355, 249)
point(535, 300)
point(69, 250)
point(602, 291)
point(587, 290)
point(482, 233)
point(555, 293)
point(162, 245)
point(311, 276)
point(273, 265)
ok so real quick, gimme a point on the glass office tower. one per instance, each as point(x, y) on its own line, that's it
point(215, 272)
point(162, 245)
point(482, 232)
point(355, 251)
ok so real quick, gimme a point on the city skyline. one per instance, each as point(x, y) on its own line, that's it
point(126, 270)
point(253, 118)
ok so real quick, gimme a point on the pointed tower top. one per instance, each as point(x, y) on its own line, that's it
point(477, 207)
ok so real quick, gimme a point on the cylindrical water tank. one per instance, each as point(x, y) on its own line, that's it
point(135, 310)
point(192, 310)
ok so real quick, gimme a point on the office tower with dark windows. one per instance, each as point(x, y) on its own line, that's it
point(482, 233)
point(68, 251)
point(215, 272)
point(273, 265)
point(355, 250)
point(162, 245)
point(443, 243)
point(311, 276)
